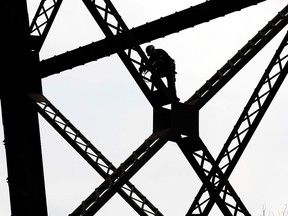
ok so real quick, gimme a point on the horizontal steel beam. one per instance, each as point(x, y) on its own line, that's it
point(162, 27)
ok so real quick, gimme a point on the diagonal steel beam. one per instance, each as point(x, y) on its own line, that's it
point(239, 60)
point(92, 155)
point(173, 23)
point(244, 129)
point(111, 23)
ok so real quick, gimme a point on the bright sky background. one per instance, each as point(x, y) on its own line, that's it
point(103, 101)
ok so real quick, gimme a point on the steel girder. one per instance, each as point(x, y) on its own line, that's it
point(174, 23)
point(20, 120)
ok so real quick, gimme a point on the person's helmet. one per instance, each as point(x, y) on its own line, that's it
point(149, 49)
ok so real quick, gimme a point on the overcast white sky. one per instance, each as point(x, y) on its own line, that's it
point(104, 102)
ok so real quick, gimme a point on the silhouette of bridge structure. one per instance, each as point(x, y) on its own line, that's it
point(22, 99)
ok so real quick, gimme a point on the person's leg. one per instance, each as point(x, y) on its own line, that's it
point(171, 79)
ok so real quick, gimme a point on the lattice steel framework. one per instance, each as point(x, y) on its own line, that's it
point(180, 124)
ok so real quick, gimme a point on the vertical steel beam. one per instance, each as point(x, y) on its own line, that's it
point(20, 120)
point(24, 160)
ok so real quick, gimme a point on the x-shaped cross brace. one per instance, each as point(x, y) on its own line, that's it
point(215, 180)
point(190, 147)
point(213, 176)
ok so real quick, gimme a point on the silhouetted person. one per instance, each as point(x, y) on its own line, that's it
point(164, 65)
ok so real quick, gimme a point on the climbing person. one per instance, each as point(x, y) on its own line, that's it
point(163, 65)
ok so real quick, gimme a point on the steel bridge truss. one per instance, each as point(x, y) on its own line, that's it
point(181, 121)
